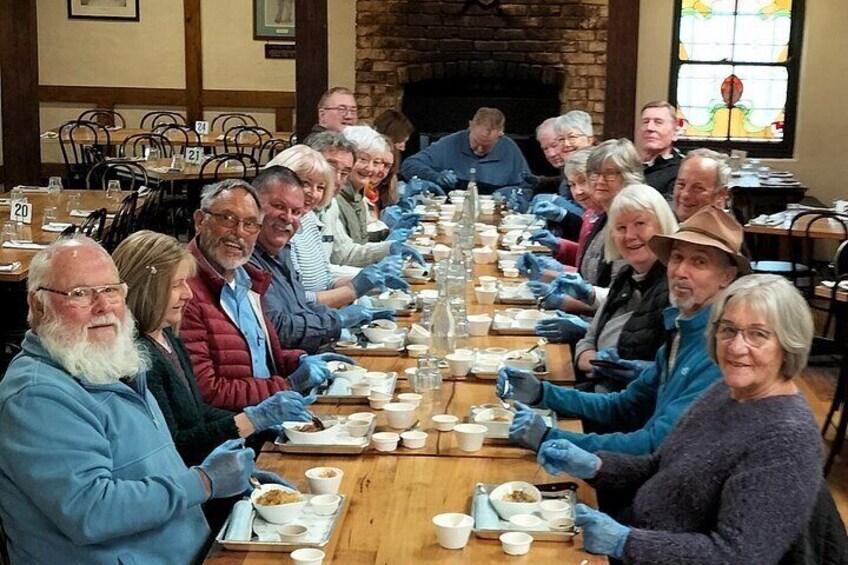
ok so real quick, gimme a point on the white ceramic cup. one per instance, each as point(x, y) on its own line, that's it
point(292, 533)
point(360, 389)
point(325, 504)
point(516, 543)
point(444, 422)
point(469, 437)
point(488, 282)
point(319, 484)
point(358, 428)
point(411, 398)
point(307, 556)
point(385, 441)
point(400, 414)
point(459, 365)
point(553, 509)
point(453, 529)
point(414, 439)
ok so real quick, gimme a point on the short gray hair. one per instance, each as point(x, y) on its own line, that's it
point(39, 267)
point(211, 192)
point(330, 140)
point(622, 154)
point(575, 164)
point(576, 119)
point(782, 305)
point(550, 123)
point(366, 139)
point(637, 198)
point(722, 167)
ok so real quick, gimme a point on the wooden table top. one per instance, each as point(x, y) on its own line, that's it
point(160, 169)
point(823, 291)
point(211, 139)
point(89, 200)
point(824, 228)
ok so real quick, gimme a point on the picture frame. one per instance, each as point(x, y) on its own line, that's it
point(122, 10)
point(273, 19)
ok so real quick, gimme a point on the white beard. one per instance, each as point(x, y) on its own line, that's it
point(98, 363)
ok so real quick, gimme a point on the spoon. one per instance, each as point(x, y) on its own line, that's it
point(255, 482)
point(318, 423)
point(413, 426)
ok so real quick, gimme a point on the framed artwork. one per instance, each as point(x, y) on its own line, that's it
point(273, 19)
point(103, 9)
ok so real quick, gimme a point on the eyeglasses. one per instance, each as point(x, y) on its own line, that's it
point(572, 138)
point(85, 296)
point(608, 177)
point(755, 337)
point(344, 110)
point(231, 222)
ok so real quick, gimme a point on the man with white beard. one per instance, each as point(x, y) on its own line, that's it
point(88, 470)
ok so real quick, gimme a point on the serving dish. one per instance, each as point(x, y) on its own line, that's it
point(339, 441)
point(339, 391)
point(489, 525)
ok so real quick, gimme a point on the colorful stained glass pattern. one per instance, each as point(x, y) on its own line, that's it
point(732, 79)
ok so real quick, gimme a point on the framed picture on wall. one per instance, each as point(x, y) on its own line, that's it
point(103, 9)
point(273, 19)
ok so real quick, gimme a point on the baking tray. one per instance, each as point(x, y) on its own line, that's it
point(496, 436)
point(283, 445)
point(370, 351)
point(562, 536)
point(332, 395)
point(516, 301)
point(336, 520)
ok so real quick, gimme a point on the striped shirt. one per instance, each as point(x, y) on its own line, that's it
point(309, 259)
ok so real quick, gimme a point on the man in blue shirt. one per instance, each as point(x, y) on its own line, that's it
point(482, 146)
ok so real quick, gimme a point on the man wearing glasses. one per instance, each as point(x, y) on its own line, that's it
point(336, 110)
point(237, 356)
point(88, 469)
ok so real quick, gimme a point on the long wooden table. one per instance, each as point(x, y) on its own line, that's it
point(393, 496)
point(825, 228)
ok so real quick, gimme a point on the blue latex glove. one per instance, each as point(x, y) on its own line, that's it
point(520, 385)
point(601, 534)
point(382, 315)
point(284, 406)
point(313, 370)
point(407, 220)
point(269, 478)
point(228, 468)
point(573, 285)
point(559, 456)
point(533, 266)
point(399, 234)
point(447, 179)
point(565, 328)
point(368, 278)
point(549, 211)
point(546, 294)
point(390, 265)
point(406, 204)
point(404, 250)
point(420, 186)
point(546, 238)
point(397, 283)
point(354, 316)
point(527, 429)
point(630, 368)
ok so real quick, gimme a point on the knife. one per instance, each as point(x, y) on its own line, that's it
point(557, 490)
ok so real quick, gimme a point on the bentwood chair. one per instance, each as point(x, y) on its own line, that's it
point(94, 224)
point(840, 397)
point(178, 135)
point(123, 224)
point(104, 116)
point(137, 144)
point(130, 174)
point(223, 122)
point(246, 139)
point(161, 117)
point(229, 165)
point(270, 149)
point(83, 144)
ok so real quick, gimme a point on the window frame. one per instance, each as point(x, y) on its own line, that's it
point(786, 147)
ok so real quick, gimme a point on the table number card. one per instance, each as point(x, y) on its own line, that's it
point(21, 211)
point(194, 155)
point(201, 127)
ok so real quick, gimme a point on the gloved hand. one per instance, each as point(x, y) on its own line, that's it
point(402, 249)
point(284, 406)
point(406, 204)
point(228, 468)
point(447, 179)
point(533, 266)
point(368, 278)
point(549, 211)
point(630, 368)
point(396, 283)
point(382, 315)
point(546, 238)
point(564, 328)
point(420, 186)
point(561, 456)
point(313, 370)
point(601, 534)
point(390, 265)
point(527, 429)
point(399, 234)
point(354, 316)
point(407, 220)
point(269, 478)
point(546, 294)
point(520, 385)
point(573, 285)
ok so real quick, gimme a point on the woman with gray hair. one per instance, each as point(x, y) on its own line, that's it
point(736, 480)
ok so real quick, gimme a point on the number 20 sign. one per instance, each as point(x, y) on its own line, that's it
point(21, 211)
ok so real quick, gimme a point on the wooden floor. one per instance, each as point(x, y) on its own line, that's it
point(818, 385)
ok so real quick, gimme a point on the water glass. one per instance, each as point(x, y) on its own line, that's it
point(54, 185)
point(10, 231)
point(153, 154)
point(113, 190)
point(16, 194)
point(49, 215)
point(73, 202)
point(428, 377)
point(178, 163)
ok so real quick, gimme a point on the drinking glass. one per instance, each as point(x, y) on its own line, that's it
point(16, 194)
point(54, 184)
point(73, 203)
point(428, 377)
point(178, 163)
point(113, 190)
point(10, 231)
point(153, 154)
point(48, 215)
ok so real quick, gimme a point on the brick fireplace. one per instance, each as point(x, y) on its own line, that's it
point(552, 51)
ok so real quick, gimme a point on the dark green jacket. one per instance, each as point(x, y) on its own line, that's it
point(352, 213)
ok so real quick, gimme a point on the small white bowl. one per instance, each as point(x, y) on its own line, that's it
point(357, 428)
point(378, 402)
point(489, 239)
point(507, 509)
point(459, 365)
point(528, 318)
point(400, 414)
point(411, 398)
point(291, 533)
point(277, 513)
point(324, 480)
point(510, 273)
point(488, 282)
point(376, 379)
point(554, 509)
point(444, 422)
point(497, 420)
point(378, 330)
point(307, 556)
point(385, 441)
point(469, 437)
point(453, 530)
point(393, 341)
point(351, 373)
point(417, 350)
point(360, 389)
point(501, 351)
point(482, 255)
point(414, 439)
point(310, 438)
point(526, 522)
point(362, 417)
point(516, 543)
point(440, 252)
point(325, 504)
point(485, 295)
point(479, 324)
point(527, 361)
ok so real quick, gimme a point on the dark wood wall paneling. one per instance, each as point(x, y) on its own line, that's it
point(311, 61)
point(622, 59)
point(193, 61)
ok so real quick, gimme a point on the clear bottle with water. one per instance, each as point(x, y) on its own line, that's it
point(472, 198)
point(442, 325)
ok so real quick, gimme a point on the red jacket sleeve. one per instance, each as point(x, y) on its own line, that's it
point(567, 252)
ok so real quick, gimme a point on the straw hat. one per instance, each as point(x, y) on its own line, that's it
point(710, 227)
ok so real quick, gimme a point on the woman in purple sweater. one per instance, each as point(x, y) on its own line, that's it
point(736, 480)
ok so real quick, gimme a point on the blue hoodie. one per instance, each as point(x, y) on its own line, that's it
point(89, 473)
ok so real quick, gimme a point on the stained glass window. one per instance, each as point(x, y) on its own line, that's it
point(735, 73)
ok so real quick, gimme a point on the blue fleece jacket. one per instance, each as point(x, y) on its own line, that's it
point(650, 405)
point(89, 473)
point(503, 166)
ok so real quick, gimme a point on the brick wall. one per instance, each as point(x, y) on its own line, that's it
point(401, 41)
